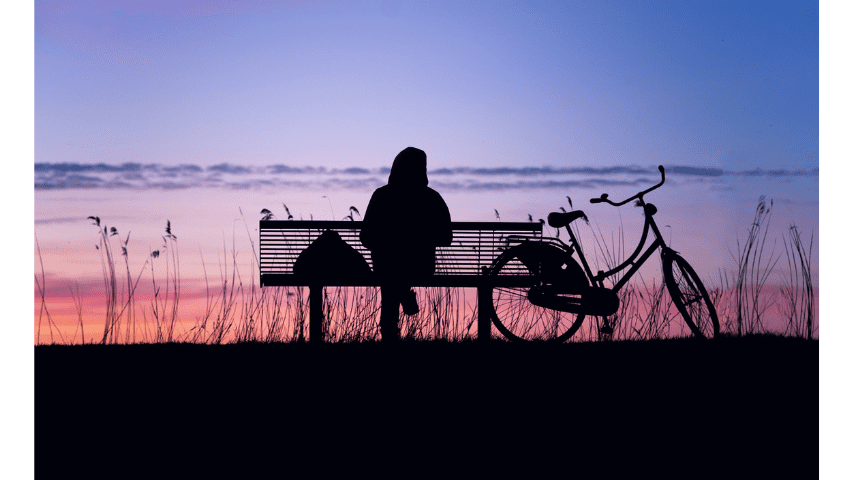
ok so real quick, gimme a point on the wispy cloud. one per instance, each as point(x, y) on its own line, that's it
point(712, 172)
point(52, 176)
point(232, 169)
point(541, 171)
point(52, 221)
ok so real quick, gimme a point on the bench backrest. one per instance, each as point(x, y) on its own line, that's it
point(475, 244)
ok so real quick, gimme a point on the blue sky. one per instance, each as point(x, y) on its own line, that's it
point(729, 85)
point(517, 104)
point(199, 112)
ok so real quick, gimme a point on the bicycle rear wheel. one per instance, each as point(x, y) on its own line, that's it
point(690, 296)
point(513, 314)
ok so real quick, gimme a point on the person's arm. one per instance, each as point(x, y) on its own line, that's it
point(368, 233)
point(444, 233)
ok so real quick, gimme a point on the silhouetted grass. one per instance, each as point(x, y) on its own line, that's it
point(120, 305)
point(744, 299)
point(237, 310)
point(43, 310)
point(753, 272)
point(797, 305)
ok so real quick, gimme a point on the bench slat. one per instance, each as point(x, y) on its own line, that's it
point(289, 280)
point(347, 225)
point(474, 246)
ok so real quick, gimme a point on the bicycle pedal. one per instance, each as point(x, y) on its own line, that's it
point(606, 330)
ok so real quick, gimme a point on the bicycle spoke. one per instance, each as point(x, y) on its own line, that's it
point(690, 298)
point(695, 299)
point(514, 315)
point(512, 292)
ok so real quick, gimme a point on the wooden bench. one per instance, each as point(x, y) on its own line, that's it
point(464, 263)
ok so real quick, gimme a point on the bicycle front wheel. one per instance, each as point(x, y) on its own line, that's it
point(690, 296)
point(514, 315)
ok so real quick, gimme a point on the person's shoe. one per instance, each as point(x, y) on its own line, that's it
point(409, 303)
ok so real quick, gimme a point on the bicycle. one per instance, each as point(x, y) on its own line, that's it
point(561, 293)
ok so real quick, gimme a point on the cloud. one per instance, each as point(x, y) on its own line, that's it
point(356, 171)
point(55, 176)
point(49, 221)
point(713, 172)
point(226, 168)
point(183, 169)
point(538, 185)
point(540, 171)
point(295, 170)
point(758, 172)
point(84, 167)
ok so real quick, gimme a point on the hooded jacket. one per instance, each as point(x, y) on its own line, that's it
point(406, 220)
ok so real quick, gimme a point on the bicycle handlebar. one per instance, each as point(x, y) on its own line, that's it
point(604, 197)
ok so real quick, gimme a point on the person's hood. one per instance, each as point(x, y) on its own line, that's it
point(409, 168)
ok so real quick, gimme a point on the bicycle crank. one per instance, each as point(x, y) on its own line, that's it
point(600, 302)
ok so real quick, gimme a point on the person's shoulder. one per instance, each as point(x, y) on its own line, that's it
point(381, 191)
point(433, 193)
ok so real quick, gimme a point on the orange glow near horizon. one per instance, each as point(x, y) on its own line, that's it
point(64, 325)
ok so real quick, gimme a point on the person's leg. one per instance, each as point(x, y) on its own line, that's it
point(390, 313)
point(409, 302)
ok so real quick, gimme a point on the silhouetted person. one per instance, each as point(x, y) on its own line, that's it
point(404, 223)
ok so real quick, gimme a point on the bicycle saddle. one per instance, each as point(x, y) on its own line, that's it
point(558, 219)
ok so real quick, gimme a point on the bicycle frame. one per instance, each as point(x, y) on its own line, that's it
point(557, 281)
point(636, 259)
point(649, 223)
point(600, 276)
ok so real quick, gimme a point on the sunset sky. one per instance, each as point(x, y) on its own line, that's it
point(203, 114)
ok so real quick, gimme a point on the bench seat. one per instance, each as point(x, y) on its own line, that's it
point(475, 245)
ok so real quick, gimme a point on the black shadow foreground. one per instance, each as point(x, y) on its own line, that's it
point(730, 408)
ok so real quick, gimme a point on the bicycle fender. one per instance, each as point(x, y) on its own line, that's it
point(553, 265)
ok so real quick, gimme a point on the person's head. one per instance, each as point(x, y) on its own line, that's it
point(409, 168)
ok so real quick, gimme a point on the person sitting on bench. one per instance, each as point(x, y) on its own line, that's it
point(404, 223)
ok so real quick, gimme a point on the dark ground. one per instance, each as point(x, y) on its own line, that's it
point(739, 408)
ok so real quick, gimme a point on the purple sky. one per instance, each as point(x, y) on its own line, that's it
point(731, 85)
point(234, 108)
point(194, 113)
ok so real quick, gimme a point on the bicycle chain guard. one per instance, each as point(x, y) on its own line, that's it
point(600, 302)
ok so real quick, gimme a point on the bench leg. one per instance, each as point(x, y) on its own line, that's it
point(484, 323)
point(315, 315)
